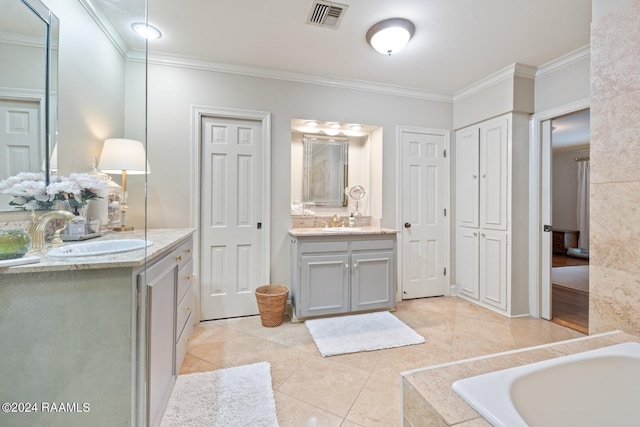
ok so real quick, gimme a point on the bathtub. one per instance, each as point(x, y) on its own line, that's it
point(594, 388)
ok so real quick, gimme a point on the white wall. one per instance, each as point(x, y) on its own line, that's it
point(91, 78)
point(563, 85)
point(173, 91)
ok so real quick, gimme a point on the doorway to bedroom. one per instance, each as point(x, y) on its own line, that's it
point(570, 170)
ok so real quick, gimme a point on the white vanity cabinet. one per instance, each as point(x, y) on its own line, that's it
point(492, 213)
point(168, 325)
point(342, 274)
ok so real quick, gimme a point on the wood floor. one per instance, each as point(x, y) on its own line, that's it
point(569, 307)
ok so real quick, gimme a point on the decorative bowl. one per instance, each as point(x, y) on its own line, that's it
point(14, 243)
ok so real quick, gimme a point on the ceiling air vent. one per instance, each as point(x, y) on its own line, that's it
point(326, 14)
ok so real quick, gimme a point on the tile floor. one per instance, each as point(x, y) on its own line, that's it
point(360, 389)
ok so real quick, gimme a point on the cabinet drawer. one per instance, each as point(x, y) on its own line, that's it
point(183, 344)
point(365, 245)
point(185, 278)
point(315, 247)
point(183, 311)
point(184, 253)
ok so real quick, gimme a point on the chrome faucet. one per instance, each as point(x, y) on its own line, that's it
point(38, 227)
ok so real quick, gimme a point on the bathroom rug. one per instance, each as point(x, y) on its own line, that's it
point(234, 397)
point(360, 332)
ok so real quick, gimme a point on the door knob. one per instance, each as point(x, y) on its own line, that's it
point(407, 225)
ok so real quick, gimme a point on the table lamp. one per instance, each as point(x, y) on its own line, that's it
point(123, 156)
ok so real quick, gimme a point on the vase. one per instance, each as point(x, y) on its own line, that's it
point(14, 243)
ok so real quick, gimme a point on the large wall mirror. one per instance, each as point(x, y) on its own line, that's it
point(325, 170)
point(28, 86)
point(328, 157)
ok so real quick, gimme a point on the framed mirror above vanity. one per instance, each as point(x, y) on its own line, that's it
point(29, 34)
point(325, 170)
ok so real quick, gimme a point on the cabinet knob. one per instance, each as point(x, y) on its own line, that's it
point(188, 339)
point(475, 176)
point(355, 265)
point(187, 309)
point(475, 234)
point(179, 258)
point(484, 175)
point(187, 277)
point(483, 235)
point(188, 251)
point(346, 266)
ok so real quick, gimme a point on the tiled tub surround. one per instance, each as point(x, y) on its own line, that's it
point(429, 400)
point(614, 297)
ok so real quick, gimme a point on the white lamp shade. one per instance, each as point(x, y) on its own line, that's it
point(120, 154)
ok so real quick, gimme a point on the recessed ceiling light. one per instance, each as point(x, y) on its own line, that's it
point(145, 30)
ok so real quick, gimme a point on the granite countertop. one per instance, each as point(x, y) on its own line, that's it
point(428, 397)
point(162, 240)
point(319, 231)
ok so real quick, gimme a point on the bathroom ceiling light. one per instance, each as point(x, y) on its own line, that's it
point(311, 123)
point(355, 127)
point(145, 30)
point(391, 35)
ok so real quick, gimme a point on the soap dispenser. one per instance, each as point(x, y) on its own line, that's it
point(352, 221)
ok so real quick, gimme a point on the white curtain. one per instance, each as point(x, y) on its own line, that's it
point(583, 203)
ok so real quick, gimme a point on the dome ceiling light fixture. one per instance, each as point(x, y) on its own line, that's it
point(146, 31)
point(391, 35)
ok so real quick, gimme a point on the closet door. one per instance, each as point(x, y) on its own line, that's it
point(467, 166)
point(467, 262)
point(494, 174)
point(493, 268)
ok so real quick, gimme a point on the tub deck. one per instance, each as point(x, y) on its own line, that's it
point(429, 400)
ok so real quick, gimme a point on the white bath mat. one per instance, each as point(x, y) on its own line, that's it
point(233, 397)
point(361, 332)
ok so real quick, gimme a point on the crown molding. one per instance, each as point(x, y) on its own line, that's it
point(107, 28)
point(204, 65)
point(564, 61)
point(517, 70)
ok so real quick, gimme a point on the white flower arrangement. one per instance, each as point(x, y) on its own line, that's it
point(30, 193)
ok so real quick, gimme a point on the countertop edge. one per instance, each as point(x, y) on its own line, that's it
point(317, 231)
point(163, 240)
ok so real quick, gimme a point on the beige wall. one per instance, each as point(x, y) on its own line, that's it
point(614, 301)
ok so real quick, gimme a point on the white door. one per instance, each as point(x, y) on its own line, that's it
point(467, 261)
point(493, 174)
point(231, 239)
point(493, 268)
point(467, 172)
point(423, 213)
point(21, 148)
point(546, 210)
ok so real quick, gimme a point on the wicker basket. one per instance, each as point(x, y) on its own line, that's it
point(272, 301)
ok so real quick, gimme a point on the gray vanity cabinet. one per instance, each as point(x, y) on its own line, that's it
point(342, 274)
point(169, 325)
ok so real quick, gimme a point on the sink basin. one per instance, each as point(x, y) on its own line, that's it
point(340, 229)
point(103, 247)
